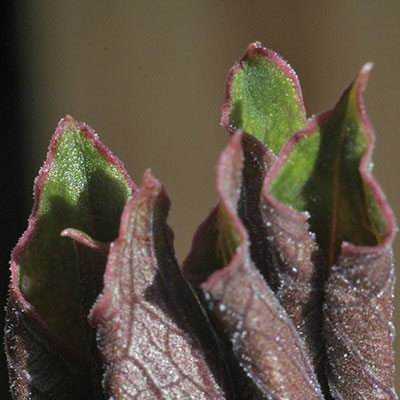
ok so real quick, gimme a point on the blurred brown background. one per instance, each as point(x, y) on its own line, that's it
point(149, 77)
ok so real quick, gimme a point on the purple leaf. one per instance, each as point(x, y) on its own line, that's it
point(154, 335)
point(282, 249)
point(296, 272)
point(41, 366)
point(264, 341)
point(358, 324)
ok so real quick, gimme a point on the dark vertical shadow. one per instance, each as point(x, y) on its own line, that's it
point(14, 208)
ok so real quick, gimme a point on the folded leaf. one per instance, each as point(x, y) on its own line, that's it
point(91, 259)
point(282, 249)
point(263, 98)
point(325, 169)
point(359, 292)
point(264, 341)
point(154, 335)
point(327, 154)
point(81, 185)
point(298, 270)
point(263, 87)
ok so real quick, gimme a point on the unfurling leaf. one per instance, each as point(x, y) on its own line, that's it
point(264, 341)
point(271, 109)
point(325, 170)
point(298, 271)
point(285, 295)
point(320, 173)
point(48, 339)
point(154, 335)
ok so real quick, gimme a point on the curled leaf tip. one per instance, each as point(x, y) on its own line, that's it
point(84, 239)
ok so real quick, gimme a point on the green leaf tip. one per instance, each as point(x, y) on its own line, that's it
point(263, 97)
point(325, 170)
point(81, 186)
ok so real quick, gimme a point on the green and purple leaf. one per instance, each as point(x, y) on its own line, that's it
point(292, 271)
point(264, 341)
point(324, 173)
point(80, 186)
point(155, 337)
point(264, 95)
point(263, 98)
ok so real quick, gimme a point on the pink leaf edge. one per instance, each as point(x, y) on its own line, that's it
point(278, 61)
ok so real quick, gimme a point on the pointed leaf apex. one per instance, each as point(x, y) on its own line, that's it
point(252, 49)
point(54, 281)
point(368, 66)
point(256, 48)
point(263, 98)
point(388, 223)
point(341, 139)
point(150, 181)
point(360, 83)
point(78, 172)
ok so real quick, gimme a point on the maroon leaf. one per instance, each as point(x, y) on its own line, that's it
point(41, 366)
point(264, 340)
point(153, 333)
point(296, 272)
point(358, 324)
point(282, 249)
